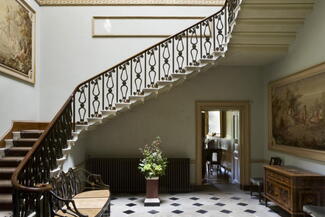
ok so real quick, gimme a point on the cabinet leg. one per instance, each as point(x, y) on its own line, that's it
point(266, 200)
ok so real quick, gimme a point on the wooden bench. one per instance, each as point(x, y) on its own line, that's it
point(79, 193)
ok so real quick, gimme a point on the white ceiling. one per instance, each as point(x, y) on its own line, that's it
point(265, 29)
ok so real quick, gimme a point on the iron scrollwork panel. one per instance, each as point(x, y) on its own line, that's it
point(82, 101)
point(95, 97)
point(207, 37)
point(110, 94)
point(179, 48)
point(138, 75)
point(220, 34)
point(166, 59)
point(152, 68)
point(124, 83)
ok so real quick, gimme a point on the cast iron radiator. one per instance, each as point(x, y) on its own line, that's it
point(123, 175)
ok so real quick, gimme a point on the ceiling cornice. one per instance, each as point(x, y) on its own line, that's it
point(130, 2)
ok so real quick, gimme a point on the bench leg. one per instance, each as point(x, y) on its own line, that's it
point(251, 189)
point(266, 200)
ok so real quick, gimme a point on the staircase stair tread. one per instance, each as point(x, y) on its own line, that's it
point(5, 183)
point(32, 131)
point(26, 139)
point(12, 158)
point(7, 169)
point(5, 198)
point(20, 148)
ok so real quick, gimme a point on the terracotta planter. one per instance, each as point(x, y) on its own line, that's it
point(152, 192)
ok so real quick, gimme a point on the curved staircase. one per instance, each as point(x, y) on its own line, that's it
point(118, 89)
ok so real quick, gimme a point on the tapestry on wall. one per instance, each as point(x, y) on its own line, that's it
point(297, 113)
point(17, 40)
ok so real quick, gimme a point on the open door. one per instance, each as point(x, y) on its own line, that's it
point(236, 145)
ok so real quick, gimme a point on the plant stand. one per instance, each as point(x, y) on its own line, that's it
point(152, 195)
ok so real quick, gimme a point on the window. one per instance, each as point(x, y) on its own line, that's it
point(214, 123)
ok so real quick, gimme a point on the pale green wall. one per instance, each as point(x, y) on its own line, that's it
point(172, 116)
point(306, 51)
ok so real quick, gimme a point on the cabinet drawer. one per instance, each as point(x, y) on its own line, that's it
point(278, 177)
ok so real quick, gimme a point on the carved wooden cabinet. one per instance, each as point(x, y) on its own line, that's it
point(291, 188)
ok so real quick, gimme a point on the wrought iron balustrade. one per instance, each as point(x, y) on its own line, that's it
point(111, 88)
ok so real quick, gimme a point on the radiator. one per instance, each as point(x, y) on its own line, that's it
point(123, 175)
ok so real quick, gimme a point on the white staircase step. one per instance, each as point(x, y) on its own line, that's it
point(209, 61)
point(151, 90)
point(123, 105)
point(72, 142)
point(113, 112)
point(2, 152)
point(95, 120)
point(109, 112)
point(55, 172)
point(66, 151)
point(165, 82)
point(195, 68)
point(141, 98)
point(181, 75)
point(9, 143)
point(60, 161)
point(16, 135)
point(76, 133)
point(82, 126)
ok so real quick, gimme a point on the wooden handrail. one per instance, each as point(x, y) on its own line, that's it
point(37, 145)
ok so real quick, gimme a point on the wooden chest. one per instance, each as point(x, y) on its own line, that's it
point(291, 188)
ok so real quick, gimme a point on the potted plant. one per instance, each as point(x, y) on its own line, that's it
point(152, 165)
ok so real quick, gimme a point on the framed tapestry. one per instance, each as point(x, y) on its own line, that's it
point(297, 113)
point(17, 39)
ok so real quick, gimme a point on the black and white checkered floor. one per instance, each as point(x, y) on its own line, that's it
point(210, 202)
point(221, 200)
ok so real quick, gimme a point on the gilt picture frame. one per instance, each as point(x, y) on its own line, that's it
point(17, 40)
point(296, 114)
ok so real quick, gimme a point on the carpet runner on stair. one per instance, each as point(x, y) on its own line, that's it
point(15, 151)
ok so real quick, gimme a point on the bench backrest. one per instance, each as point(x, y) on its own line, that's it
point(66, 185)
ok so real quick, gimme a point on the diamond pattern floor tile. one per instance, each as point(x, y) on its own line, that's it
point(221, 201)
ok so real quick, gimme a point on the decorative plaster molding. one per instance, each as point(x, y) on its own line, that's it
point(129, 2)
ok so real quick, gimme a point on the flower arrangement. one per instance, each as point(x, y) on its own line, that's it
point(153, 163)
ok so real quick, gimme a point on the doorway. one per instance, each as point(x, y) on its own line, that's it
point(223, 139)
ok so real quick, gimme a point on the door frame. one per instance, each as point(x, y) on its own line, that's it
point(245, 126)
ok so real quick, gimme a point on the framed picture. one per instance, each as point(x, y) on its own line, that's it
point(297, 113)
point(17, 40)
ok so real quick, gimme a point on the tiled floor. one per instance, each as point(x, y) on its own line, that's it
point(216, 199)
point(224, 200)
